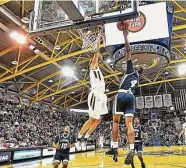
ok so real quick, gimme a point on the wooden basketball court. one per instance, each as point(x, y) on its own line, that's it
point(155, 157)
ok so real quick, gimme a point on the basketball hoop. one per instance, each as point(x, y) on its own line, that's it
point(91, 37)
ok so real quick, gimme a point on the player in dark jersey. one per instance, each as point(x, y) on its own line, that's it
point(63, 142)
point(138, 145)
point(125, 100)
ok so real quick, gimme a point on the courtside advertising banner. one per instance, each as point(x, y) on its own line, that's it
point(49, 152)
point(90, 147)
point(26, 154)
point(73, 149)
point(140, 102)
point(151, 23)
point(5, 157)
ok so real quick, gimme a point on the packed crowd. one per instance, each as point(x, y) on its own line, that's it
point(28, 127)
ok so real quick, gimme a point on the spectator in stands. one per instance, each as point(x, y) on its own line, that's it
point(28, 127)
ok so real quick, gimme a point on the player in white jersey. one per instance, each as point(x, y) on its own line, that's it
point(183, 132)
point(97, 100)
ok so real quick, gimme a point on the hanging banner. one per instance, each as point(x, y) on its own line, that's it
point(148, 101)
point(167, 100)
point(158, 101)
point(140, 102)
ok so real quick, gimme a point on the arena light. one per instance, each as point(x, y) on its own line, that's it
point(108, 61)
point(14, 62)
point(50, 81)
point(18, 37)
point(57, 47)
point(68, 71)
point(182, 69)
point(107, 90)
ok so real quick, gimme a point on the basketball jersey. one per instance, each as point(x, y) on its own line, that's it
point(97, 80)
point(138, 130)
point(131, 79)
point(63, 141)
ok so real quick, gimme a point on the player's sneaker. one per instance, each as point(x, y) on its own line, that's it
point(129, 157)
point(112, 151)
point(132, 165)
point(78, 144)
point(115, 158)
point(143, 165)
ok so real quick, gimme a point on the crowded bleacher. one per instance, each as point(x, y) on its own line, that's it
point(22, 126)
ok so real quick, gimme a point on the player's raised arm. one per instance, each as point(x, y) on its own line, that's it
point(124, 28)
point(127, 44)
point(95, 59)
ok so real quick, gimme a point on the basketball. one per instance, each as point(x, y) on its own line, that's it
point(122, 24)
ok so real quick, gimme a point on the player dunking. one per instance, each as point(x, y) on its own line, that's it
point(62, 143)
point(97, 100)
point(138, 146)
point(125, 100)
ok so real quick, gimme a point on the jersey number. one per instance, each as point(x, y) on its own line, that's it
point(136, 134)
point(64, 146)
point(133, 83)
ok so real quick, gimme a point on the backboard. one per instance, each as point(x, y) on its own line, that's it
point(51, 16)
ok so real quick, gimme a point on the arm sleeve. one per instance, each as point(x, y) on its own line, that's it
point(130, 68)
point(56, 139)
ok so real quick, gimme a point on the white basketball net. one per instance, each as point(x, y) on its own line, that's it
point(90, 37)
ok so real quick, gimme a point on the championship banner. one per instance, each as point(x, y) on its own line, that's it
point(167, 100)
point(148, 101)
point(140, 102)
point(158, 101)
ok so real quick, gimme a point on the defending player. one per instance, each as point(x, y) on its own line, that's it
point(138, 146)
point(125, 100)
point(62, 143)
point(97, 100)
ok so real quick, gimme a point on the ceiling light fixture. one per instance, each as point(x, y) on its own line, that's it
point(18, 37)
point(182, 69)
point(57, 47)
point(14, 62)
point(108, 61)
point(50, 81)
point(68, 71)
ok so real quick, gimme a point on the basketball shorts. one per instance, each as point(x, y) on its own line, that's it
point(97, 103)
point(138, 147)
point(124, 104)
point(61, 158)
